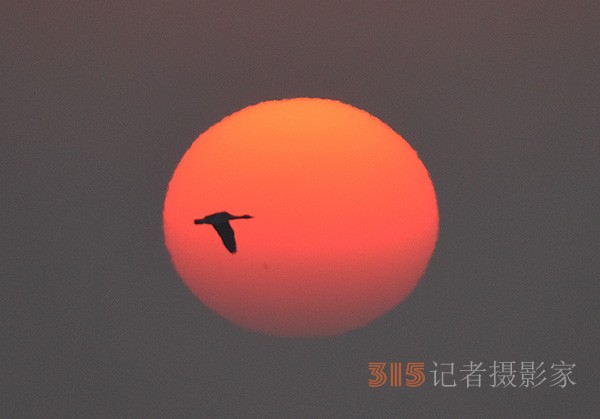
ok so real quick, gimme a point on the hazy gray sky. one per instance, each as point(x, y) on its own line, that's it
point(99, 103)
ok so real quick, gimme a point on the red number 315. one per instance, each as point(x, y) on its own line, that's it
point(414, 375)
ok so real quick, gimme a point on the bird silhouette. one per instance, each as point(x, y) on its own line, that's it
point(220, 221)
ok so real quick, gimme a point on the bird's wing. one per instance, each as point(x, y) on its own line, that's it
point(226, 233)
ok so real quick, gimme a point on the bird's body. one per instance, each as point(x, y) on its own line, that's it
point(220, 221)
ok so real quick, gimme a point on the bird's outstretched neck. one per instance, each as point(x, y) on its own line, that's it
point(236, 217)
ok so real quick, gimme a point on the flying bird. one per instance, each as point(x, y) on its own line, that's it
point(220, 221)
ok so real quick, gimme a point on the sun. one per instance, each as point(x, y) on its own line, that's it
point(344, 217)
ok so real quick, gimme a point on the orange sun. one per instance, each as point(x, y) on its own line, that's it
point(344, 222)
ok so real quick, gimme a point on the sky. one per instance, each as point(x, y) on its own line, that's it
point(101, 101)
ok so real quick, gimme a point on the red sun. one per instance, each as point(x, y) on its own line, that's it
point(344, 222)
